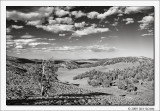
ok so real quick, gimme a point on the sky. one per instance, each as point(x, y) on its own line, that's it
point(79, 32)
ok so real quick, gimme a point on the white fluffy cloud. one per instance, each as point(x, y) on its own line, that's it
point(62, 35)
point(115, 24)
point(34, 22)
point(17, 27)
point(24, 41)
point(120, 15)
point(129, 20)
point(78, 14)
point(14, 15)
point(89, 30)
point(136, 9)
point(27, 36)
point(118, 10)
point(146, 22)
point(56, 28)
point(92, 15)
point(20, 43)
point(110, 11)
point(37, 15)
point(66, 20)
point(69, 7)
point(61, 13)
point(80, 25)
point(52, 22)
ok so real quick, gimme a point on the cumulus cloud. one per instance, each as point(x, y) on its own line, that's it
point(78, 14)
point(119, 11)
point(89, 30)
point(137, 9)
point(69, 7)
point(37, 15)
point(21, 43)
point(52, 22)
point(115, 24)
point(17, 27)
point(34, 22)
point(27, 36)
point(120, 15)
point(14, 15)
point(92, 15)
point(19, 46)
point(62, 35)
point(61, 13)
point(56, 28)
point(129, 20)
point(24, 41)
point(65, 20)
point(109, 12)
point(146, 22)
point(80, 25)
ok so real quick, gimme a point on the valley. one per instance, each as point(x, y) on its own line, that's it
point(115, 81)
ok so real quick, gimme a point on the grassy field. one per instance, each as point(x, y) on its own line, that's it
point(67, 75)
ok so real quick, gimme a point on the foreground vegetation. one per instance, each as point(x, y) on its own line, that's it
point(34, 82)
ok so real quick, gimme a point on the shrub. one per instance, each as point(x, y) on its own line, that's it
point(120, 77)
point(131, 87)
point(106, 83)
point(121, 85)
point(128, 81)
point(93, 83)
point(134, 80)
